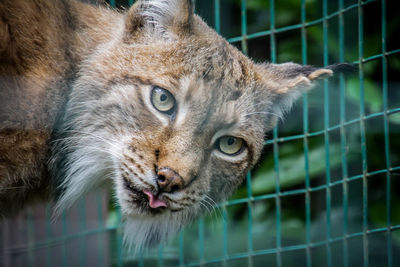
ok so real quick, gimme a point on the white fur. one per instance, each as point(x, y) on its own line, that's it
point(89, 166)
point(146, 230)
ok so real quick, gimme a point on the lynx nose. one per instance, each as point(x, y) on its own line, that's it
point(169, 181)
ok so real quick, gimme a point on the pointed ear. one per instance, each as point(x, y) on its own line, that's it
point(286, 82)
point(159, 18)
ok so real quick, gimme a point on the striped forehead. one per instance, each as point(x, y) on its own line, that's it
point(208, 105)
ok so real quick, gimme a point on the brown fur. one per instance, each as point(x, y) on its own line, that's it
point(75, 86)
point(40, 45)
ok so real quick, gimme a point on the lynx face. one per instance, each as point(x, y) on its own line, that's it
point(171, 114)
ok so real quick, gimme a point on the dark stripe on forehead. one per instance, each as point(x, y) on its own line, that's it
point(68, 16)
point(190, 91)
point(212, 125)
point(205, 122)
point(211, 109)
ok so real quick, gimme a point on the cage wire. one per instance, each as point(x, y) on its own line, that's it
point(334, 203)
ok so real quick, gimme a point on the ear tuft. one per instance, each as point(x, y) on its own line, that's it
point(290, 77)
point(320, 74)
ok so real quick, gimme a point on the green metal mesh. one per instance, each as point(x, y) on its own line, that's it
point(191, 247)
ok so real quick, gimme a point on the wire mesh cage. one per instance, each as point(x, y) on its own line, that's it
point(326, 192)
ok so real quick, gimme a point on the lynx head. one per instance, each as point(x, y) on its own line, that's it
point(173, 115)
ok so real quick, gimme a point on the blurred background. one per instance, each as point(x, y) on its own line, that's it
point(327, 191)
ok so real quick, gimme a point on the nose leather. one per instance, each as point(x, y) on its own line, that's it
point(169, 181)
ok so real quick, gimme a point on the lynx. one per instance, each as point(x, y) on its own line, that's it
point(150, 101)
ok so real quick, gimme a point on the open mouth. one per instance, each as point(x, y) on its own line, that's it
point(145, 199)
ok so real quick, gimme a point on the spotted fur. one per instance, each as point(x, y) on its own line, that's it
point(75, 108)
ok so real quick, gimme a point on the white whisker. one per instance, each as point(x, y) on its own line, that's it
point(214, 205)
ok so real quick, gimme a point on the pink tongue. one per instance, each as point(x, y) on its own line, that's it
point(154, 202)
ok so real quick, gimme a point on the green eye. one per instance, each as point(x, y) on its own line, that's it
point(230, 145)
point(163, 100)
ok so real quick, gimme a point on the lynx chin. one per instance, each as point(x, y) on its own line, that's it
point(150, 101)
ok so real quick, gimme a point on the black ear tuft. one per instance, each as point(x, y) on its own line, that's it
point(295, 70)
point(346, 68)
